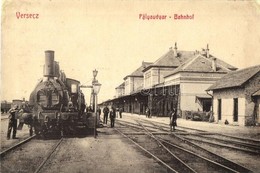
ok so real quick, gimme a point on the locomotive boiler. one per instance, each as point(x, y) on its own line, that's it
point(57, 102)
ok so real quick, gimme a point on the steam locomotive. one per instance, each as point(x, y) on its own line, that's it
point(57, 103)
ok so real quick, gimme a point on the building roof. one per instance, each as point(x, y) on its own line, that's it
point(257, 93)
point(235, 78)
point(138, 72)
point(169, 59)
point(200, 63)
point(121, 86)
point(203, 96)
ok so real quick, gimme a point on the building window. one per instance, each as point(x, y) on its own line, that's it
point(219, 109)
point(235, 109)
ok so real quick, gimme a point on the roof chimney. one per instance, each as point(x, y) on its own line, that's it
point(207, 51)
point(214, 66)
point(143, 63)
point(175, 50)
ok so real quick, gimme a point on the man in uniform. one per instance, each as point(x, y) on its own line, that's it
point(12, 122)
point(112, 115)
point(105, 111)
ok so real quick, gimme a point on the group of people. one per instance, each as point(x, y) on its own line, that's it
point(24, 112)
point(112, 112)
point(112, 115)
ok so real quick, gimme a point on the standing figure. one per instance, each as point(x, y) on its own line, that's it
point(12, 122)
point(173, 119)
point(98, 110)
point(112, 115)
point(105, 111)
point(147, 111)
point(120, 112)
point(98, 114)
point(117, 112)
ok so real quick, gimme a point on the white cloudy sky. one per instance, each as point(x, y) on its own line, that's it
point(110, 37)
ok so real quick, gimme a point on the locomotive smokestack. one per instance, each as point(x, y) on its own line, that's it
point(49, 67)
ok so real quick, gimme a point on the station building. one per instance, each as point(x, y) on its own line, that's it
point(236, 97)
point(178, 79)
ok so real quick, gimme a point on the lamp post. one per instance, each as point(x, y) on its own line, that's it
point(95, 90)
point(95, 72)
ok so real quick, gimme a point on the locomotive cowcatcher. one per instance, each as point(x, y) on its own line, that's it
point(57, 102)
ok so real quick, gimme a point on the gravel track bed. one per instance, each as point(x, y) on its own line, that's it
point(27, 157)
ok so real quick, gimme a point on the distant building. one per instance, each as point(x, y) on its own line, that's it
point(154, 74)
point(5, 106)
point(236, 97)
point(178, 79)
point(134, 81)
point(125, 93)
point(193, 76)
point(18, 102)
point(120, 90)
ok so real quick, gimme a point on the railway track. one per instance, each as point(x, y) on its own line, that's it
point(168, 167)
point(198, 153)
point(48, 156)
point(21, 151)
point(236, 143)
point(3, 153)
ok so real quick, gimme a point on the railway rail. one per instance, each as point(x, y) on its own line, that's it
point(41, 161)
point(246, 145)
point(235, 145)
point(3, 153)
point(200, 152)
point(48, 156)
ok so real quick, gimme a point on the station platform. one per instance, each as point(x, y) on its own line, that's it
point(244, 131)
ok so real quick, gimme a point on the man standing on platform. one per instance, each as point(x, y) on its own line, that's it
point(112, 115)
point(105, 111)
point(173, 120)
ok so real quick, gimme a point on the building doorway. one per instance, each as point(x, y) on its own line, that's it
point(205, 102)
point(235, 110)
point(219, 109)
